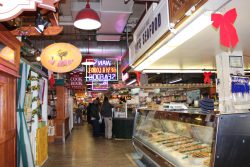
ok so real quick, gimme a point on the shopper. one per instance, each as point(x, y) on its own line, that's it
point(50, 112)
point(88, 112)
point(207, 104)
point(79, 111)
point(95, 117)
point(106, 111)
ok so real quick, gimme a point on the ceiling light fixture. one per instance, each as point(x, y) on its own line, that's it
point(87, 19)
point(175, 81)
point(88, 60)
point(38, 58)
point(193, 28)
point(40, 23)
point(131, 82)
point(177, 71)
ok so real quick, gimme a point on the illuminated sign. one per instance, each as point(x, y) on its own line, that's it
point(125, 77)
point(102, 70)
point(61, 57)
point(76, 81)
point(103, 85)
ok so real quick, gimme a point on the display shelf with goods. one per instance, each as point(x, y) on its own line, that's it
point(63, 114)
point(51, 114)
point(173, 139)
point(35, 111)
point(186, 96)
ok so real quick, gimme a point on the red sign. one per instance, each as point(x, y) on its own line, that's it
point(76, 81)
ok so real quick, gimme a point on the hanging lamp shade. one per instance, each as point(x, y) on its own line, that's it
point(88, 60)
point(87, 19)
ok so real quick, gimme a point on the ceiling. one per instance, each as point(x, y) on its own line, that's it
point(199, 51)
point(118, 21)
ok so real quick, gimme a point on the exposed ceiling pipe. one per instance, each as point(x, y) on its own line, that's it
point(97, 49)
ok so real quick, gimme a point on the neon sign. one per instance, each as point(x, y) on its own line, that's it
point(100, 85)
point(76, 81)
point(102, 70)
point(125, 77)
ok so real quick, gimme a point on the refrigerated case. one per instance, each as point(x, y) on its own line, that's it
point(173, 139)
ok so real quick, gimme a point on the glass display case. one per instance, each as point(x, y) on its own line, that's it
point(174, 139)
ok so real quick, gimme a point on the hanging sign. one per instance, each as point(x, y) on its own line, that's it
point(61, 57)
point(153, 25)
point(10, 9)
point(97, 85)
point(240, 84)
point(76, 81)
point(102, 70)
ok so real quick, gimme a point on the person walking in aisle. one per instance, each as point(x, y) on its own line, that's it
point(106, 111)
point(79, 111)
point(95, 117)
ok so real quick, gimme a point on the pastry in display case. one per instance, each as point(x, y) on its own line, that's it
point(175, 139)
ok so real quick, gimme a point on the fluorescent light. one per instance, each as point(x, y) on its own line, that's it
point(131, 82)
point(197, 25)
point(155, 56)
point(177, 71)
point(176, 80)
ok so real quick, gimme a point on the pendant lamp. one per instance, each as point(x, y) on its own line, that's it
point(87, 19)
point(88, 60)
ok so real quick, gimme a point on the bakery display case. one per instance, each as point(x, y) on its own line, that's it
point(173, 139)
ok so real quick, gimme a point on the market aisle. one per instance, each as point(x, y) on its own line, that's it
point(82, 150)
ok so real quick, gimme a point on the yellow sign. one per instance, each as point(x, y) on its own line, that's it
point(8, 54)
point(61, 57)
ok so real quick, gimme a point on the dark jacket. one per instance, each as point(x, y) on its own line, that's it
point(106, 109)
point(94, 111)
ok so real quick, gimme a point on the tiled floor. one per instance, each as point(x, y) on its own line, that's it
point(82, 150)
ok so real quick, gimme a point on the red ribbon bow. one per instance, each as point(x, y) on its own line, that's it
point(228, 34)
point(138, 77)
point(207, 76)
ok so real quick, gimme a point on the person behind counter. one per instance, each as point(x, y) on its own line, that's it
point(106, 111)
point(207, 104)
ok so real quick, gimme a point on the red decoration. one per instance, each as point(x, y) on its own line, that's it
point(88, 60)
point(51, 81)
point(228, 34)
point(138, 77)
point(76, 81)
point(207, 78)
